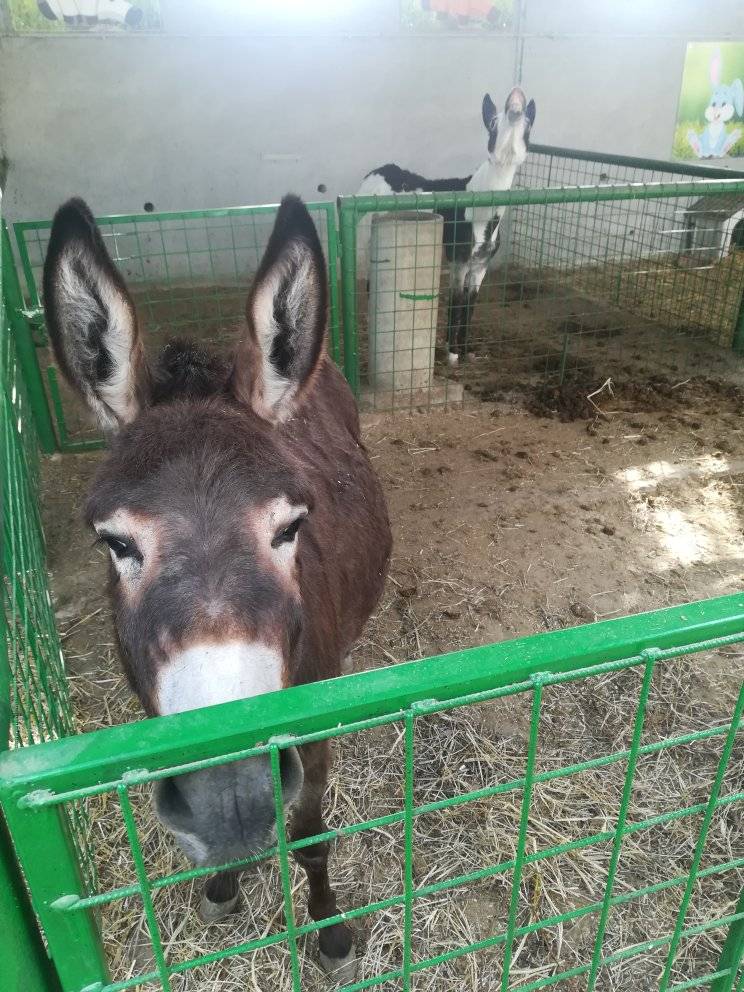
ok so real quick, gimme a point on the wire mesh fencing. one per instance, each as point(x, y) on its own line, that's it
point(34, 695)
point(605, 267)
point(566, 901)
point(189, 273)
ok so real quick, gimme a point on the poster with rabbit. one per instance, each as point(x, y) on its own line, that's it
point(710, 117)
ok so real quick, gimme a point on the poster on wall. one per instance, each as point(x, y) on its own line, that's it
point(457, 15)
point(81, 16)
point(710, 116)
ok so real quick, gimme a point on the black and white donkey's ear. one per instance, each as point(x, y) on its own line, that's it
point(91, 319)
point(286, 311)
point(490, 113)
point(530, 111)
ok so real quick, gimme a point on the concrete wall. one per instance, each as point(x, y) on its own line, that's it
point(242, 107)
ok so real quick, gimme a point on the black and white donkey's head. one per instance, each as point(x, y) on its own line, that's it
point(509, 131)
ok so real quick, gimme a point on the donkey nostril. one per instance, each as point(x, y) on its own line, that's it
point(291, 773)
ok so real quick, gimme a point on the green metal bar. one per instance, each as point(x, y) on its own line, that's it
point(113, 219)
point(24, 963)
point(144, 887)
point(652, 164)
point(334, 321)
point(28, 272)
point(522, 835)
point(408, 893)
point(728, 747)
point(25, 349)
point(322, 707)
point(526, 197)
point(281, 833)
point(49, 861)
point(348, 233)
point(621, 818)
point(732, 953)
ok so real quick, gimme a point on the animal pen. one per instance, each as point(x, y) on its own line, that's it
point(605, 270)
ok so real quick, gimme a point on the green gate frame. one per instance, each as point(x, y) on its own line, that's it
point(38, 782)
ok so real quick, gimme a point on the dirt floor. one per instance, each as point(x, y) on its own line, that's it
point(534, 511)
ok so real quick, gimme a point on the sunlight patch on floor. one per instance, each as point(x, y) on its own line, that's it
point(707, 526)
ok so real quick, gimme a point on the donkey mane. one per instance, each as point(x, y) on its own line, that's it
point(185, 370)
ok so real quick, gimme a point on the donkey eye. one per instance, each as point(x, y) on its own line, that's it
point(288, 534)
point(123, 547)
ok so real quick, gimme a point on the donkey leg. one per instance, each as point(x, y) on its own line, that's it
point(473, 282)
point(337, 954)
point(220, 896)
point(456, 312)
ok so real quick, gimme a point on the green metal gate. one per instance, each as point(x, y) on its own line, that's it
point(51, 777)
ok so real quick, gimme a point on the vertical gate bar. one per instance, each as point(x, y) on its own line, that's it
point(46, 853)
point(25, 348)
point(332, 241)
point(144, 887)
point(348, 232)
point(737, 342)
point(24, 963)
point(732, 953)
point(281, 836)
point(728, 747)
point(622, 817)
point(19, 229)
point(408, 850)
point(523, 824)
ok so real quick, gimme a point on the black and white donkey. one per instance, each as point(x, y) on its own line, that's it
point(471, 235)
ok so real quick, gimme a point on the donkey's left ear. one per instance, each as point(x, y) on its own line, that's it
point(529, 112)
point(490, 114)
point(286, 311)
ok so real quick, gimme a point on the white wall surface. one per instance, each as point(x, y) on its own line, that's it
point(228, 106)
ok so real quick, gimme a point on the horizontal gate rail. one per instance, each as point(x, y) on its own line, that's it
point(79, 764)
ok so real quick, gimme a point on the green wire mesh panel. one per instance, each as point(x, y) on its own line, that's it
point(34, 698)
point(673, 261)
point(688, 924)
point(189, 273)
point(619, 269)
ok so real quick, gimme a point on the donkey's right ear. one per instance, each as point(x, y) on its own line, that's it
point(490, 113)
point(91, 319)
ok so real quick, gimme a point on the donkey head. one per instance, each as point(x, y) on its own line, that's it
point(509, 132)
point(203, 501)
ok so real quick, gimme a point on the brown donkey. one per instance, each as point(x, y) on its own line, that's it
point(248, 533)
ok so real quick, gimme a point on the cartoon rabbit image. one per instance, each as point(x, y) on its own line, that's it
point(715, 141)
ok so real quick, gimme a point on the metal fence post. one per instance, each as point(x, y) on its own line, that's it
point(732, 953)
point(738, 340)
point(47, 855)
point(332, 239)
point(348, 229)
point(25, 348)
point(24, 963)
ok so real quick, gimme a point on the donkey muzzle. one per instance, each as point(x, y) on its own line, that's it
point(227, 812)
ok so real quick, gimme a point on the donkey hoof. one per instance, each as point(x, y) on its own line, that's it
point(213, 912)
point(342, 971)
point(452, 358)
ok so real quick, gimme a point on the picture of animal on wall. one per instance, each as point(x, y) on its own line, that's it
point(710, 118)
point(81, 16)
